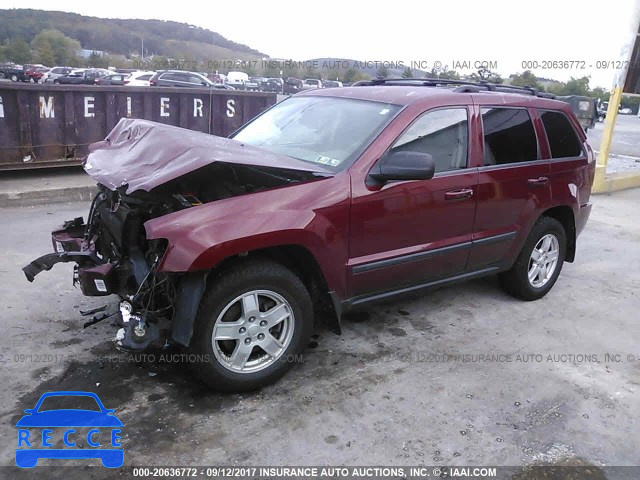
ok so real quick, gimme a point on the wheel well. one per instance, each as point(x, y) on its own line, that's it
point(564, 214)
point(304, 265)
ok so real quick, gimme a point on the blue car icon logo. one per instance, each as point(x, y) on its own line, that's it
point(99, 423)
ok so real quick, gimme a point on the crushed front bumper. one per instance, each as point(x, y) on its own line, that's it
point(95, 276)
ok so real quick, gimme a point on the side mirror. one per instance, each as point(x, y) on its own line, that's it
point(403, 166)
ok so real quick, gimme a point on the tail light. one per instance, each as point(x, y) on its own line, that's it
point(152, 82)
point(126, 81)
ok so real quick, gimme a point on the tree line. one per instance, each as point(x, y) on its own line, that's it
point(19, 27)
point(52, 47)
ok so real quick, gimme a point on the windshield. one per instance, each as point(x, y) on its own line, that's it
point(325, 130)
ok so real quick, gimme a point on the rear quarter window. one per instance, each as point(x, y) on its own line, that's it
point(563, 141)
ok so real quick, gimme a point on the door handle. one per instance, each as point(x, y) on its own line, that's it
point(538, 182)
point(458, 194)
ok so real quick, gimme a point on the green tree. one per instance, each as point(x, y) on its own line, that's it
point(64, 49)
point(631, 102)
point(578, 86)
point(333, 74)
point(312, 73)
point(526, 79)
point(97, 61)
point(443, 72)
point(383, 72)
point(408, 73)
point(354, 75)
point(557, 88)
point(45, 55)
point(18, 51)
point(600, 93)
point(483, 74)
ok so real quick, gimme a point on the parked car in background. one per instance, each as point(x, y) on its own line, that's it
point(217, 77)
point(74, 77)
point(238, 80)
point(54, 73)
point(181, 78)
point(255, 84)
point(35, 72)
point(273, 85)
point(115, 79)
point(292, 86)
point(15, 73)
point(139, 79)
point(82, 76)
point(312, 83)
point(331, 84)
point(222, 86)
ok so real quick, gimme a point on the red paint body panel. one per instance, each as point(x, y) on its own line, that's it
point(358, 232)
point(313, 215)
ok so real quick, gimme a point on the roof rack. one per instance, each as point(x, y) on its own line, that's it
point(463, 86)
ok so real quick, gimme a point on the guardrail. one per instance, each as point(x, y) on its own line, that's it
point(53, 125)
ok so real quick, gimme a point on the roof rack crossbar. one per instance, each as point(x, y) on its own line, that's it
point(463, 86)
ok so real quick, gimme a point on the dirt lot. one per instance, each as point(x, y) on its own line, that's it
point(395, 389)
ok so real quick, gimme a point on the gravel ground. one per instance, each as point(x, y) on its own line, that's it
point(394, 389)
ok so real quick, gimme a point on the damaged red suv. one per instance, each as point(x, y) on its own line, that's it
point(328, 200)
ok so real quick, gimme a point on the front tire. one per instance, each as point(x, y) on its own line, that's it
point(253, 322)
point(538, 265)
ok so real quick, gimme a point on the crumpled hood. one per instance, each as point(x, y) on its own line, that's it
point(144, 154)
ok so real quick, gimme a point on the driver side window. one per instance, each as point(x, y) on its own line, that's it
point(443, 134)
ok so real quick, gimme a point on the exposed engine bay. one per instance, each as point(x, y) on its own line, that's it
point(112, 254)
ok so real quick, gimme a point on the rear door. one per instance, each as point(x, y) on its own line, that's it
point(572, 164)
point(513, 184)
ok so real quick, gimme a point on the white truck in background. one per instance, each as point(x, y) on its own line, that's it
point(237, 80)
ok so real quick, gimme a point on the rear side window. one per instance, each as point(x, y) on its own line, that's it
point(443, 134)
point(563, 141)
point(194, 79)
point(509, 136)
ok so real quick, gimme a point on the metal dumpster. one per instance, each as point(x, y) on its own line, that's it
point(50, 125)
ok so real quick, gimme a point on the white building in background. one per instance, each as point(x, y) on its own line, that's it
point(85, 53)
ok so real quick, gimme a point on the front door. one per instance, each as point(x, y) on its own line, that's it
point(414, 232)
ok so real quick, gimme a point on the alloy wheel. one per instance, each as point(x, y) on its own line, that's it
point(253, 331)
point(543, 260)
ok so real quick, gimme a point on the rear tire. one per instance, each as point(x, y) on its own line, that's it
point(262, 317)
point(539, 263)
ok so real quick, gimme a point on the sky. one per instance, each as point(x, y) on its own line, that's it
point(459, 32)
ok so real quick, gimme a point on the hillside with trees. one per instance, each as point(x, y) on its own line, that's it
point(47, 37)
